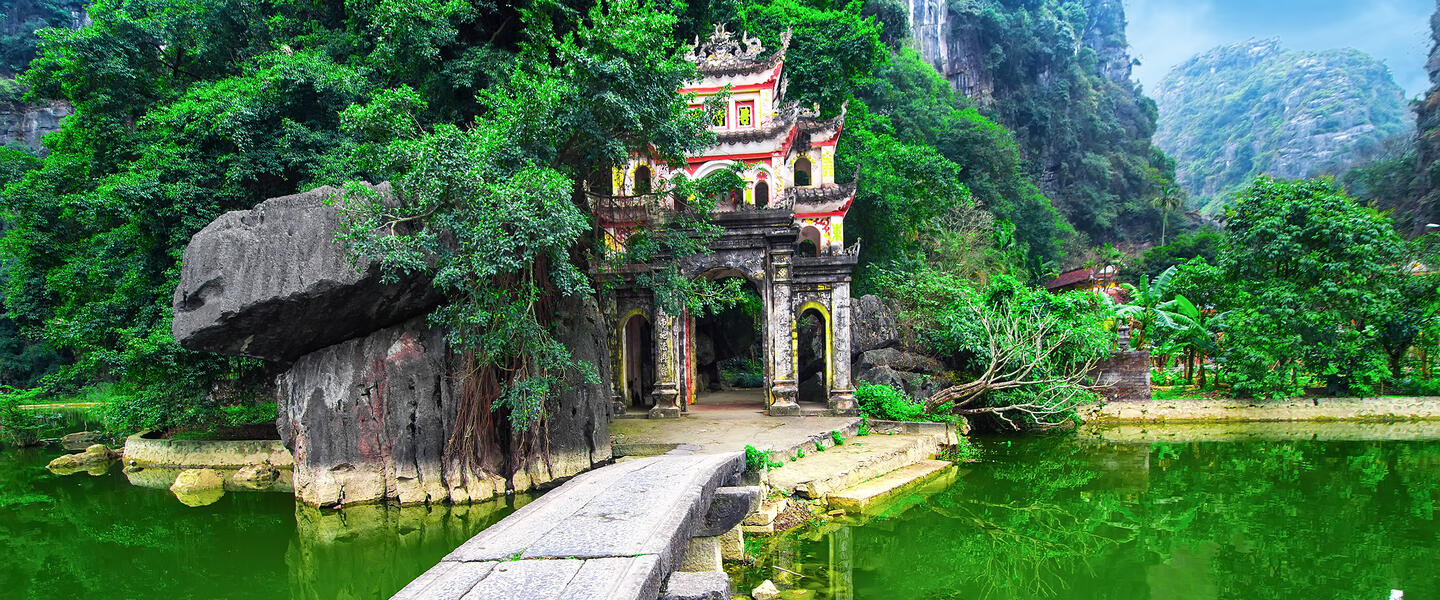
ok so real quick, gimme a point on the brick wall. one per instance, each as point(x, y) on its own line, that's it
point(1125, 377)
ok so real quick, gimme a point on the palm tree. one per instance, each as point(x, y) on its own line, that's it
point(1146, 308)
point(1170, 199)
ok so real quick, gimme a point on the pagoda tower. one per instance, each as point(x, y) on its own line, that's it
point(783, 232)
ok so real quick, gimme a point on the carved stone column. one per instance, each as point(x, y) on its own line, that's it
point(668, 340)
point(842, 391)
point(781, 326)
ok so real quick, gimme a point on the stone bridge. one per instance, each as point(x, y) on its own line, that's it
point(615, 533)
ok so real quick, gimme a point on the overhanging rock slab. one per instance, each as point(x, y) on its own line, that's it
point(272, 283)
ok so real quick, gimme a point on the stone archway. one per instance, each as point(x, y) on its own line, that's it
point(637, 360)
point(725, 352)
point(814, 350)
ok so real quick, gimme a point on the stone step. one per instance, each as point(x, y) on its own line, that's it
point(875, 493)
point(819, 473)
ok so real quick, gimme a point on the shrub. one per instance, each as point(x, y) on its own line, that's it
point(889, 404)
point(836, 437)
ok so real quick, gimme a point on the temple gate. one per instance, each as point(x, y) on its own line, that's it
point(783, 234)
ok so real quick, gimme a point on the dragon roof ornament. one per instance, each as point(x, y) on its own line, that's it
point(723, 52)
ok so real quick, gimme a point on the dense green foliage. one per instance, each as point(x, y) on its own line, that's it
point(889, 404)
point(1254, 108)
point(19, 19)
point(1310, 289)
point(1057, 73)
point(184, 111)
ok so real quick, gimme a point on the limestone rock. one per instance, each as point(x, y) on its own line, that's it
point(27, 124)
point(702, 554)
point(765, 591)
point(900, 360)
point(367, 419)
point(732, 545)
point(198, 487)
point(872, 324)
point(256, 477)
point(707, 585)
point(80, 440)
point(95, 460)
point(272, 283)
point(728, 507)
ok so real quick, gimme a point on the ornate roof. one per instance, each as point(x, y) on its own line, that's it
point(825, 198)
point(722, 54)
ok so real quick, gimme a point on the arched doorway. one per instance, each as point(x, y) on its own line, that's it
point(637, 361)
point(726, 349)
point(762, 195)
point(812, 355)
point(802, 172)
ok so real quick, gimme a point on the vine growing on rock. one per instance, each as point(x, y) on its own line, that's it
point(497, 213)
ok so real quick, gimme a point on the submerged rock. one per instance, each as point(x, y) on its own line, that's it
point(765, 591)
point(198, 487)
point(95, 460)
point(256, 477)
point(80, 440)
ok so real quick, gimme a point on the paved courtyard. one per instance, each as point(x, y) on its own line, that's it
point(720, 422)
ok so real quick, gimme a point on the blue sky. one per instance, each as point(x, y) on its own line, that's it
point(1164, 33)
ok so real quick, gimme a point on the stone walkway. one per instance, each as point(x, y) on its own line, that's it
point(721, 422)
point(1230, 410)
point(614, 533)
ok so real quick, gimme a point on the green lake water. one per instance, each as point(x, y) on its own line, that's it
point(82, 536)
point(1056, 517)
point(1066, 517)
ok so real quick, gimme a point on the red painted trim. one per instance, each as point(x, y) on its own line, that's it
point(749, 87)
point(838, 213)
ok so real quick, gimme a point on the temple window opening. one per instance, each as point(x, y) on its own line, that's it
point(642, 180)
point(762, 195)
point(802, 172)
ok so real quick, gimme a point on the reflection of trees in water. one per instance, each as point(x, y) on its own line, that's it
point(371, 551)
point(99, 537)
point(1063, 518)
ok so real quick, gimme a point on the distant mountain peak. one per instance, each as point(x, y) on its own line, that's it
point(1254, 107)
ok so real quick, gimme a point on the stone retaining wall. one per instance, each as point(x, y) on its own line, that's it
point(200, 454)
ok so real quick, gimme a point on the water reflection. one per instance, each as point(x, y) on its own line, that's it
point(370, 551)
point(81, 537)
point(1070, 518)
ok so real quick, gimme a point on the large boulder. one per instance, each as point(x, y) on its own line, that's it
point(900, 360)
point(198, 487)
point(95, 460)
point(368, 419)
point(873, 324)
point(272, 283)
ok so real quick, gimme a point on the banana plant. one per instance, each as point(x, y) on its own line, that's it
point(1197, 332)
point(1146, 308)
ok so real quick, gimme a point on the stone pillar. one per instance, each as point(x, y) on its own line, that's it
point(842, 390)
point(668, 340)
point(781, 333)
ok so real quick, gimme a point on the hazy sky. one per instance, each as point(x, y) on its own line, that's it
point(1164, 33)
